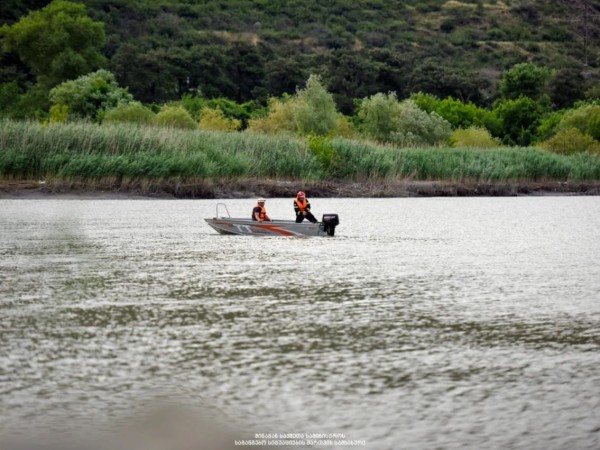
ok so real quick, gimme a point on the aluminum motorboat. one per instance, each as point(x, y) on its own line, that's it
point(229, 225)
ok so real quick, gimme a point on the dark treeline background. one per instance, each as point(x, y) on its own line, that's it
point(248, 50)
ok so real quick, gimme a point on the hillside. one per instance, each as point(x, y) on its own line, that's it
point(251, 49)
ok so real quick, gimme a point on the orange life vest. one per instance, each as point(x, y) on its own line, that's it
point(301, 205)
point(263, 212)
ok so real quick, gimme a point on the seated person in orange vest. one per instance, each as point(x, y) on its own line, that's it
point(302, 208)
point(259, 212)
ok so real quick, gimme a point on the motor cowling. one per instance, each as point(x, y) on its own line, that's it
point(330, 221)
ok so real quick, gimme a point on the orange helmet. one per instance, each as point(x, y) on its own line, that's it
point(300, 194)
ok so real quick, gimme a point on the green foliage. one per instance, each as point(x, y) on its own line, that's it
point(473, 137)
point(385, 119)
point(586, 119)
point(33, 104)
point(315, 110)
point(9, 99)
point(593, 92)
point(416, 127)
point(524, 80)
point(59, 113)
point(444, 80)
point(378, 115)
point(246, 50)
point(89, 152)
point(571, 140)
point(565, 87)
point(520, 119)
point(214, 120)
point(231, 110)
point(549, 124)
point(344, 128)
point(322, 148)
point(89, 95)
point(133, 112)
point(58, 42)
point(458, 113)
point(280, 117)
point(174, 117)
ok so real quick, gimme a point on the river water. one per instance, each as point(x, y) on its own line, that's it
point(424, 323)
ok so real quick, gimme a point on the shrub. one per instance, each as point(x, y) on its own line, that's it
point(378, 116)
point(59, 113)
point(417, 128)
point(90, 95)
point(549, 124)
point(586, 119)
point(133, 112)
point(458, 113)
point(279, 119)
point(214, 120)
point(321, 147)
point(473, 137)
point(174, 117)
point(344, 128)
point(315, 110)
point(571, 140)
point(387, 120)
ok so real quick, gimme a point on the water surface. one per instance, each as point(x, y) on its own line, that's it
point(424, 323)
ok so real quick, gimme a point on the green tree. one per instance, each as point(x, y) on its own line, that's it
point(458, 113)
point(315, 110)
point(245, 71)
point(385, 119)
point(520, 118)
point(378, 115)
point(279, 119)
point(566, 87)
point(9, 99)
point(524, 80)
point(437, 78)
point(586, 119)
point(89, 96)
point(418, 128)
point(353, 76)
point(59, 42)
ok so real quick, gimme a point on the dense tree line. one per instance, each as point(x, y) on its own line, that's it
point(431, 65)
point(252, 49)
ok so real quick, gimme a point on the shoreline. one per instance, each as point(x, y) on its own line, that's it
point(247, 188)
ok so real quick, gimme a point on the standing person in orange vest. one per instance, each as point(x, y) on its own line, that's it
point(259, 213)
point(302, 208)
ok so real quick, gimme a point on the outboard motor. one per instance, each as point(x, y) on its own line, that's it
point(330, 221)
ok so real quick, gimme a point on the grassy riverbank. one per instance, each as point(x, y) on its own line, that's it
point(124, 157)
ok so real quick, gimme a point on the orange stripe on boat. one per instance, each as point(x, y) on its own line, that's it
point(276, 230)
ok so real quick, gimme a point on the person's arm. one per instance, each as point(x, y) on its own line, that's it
point(256, 213)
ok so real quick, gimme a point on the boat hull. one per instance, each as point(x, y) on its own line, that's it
point(249, 227)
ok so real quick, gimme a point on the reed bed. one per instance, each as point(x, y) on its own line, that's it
point(89, 152)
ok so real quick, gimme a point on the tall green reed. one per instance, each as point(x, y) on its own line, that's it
point(29, 150)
